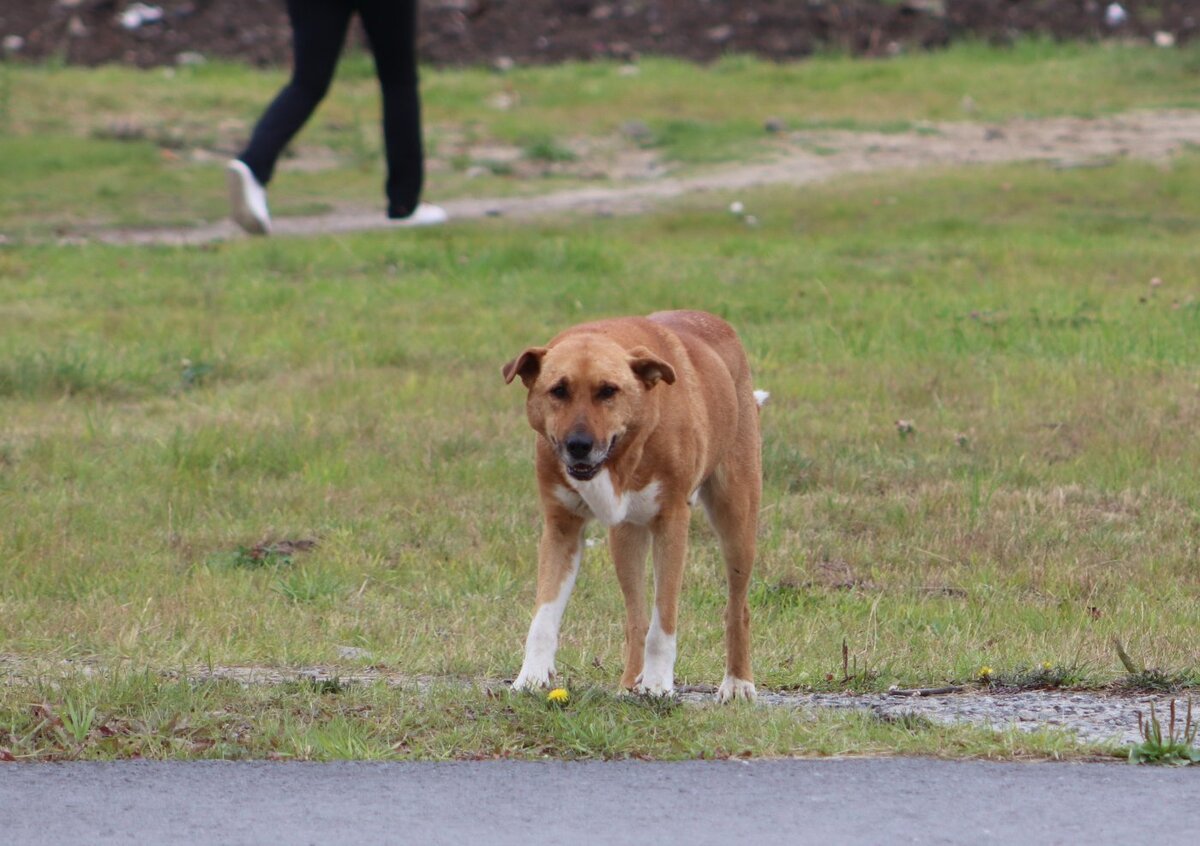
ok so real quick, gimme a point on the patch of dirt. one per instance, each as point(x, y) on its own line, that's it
point(465, 32)
point(1063, 142)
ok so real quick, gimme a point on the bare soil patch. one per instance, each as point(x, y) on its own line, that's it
point(464, 32)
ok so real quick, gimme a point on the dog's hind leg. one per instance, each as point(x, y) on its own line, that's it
point(559, 554)
point(731, 498)
point(629, 544)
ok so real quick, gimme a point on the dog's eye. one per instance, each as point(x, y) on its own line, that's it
point(606, 392)
point(559, 391)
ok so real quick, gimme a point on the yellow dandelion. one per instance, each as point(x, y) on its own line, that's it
point(558, 696)
point(985, 672)
point(1047, 666)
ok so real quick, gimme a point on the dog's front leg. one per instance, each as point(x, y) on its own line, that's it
point(559, 554)
point(670, 551)
point(629, 544)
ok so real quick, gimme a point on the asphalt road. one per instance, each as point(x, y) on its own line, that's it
point(827, 802)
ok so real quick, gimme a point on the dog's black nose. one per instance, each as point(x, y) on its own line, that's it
point(579, 446)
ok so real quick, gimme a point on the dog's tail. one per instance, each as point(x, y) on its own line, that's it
point(761, 397)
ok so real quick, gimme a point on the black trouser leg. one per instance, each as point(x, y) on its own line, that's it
point(391, 27)
point(318, 31)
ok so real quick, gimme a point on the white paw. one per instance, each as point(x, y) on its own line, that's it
point(534, 678)
point(658, 662)
point(734, 688)
point(655, 686)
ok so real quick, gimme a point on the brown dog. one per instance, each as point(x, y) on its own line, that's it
point(638, 418)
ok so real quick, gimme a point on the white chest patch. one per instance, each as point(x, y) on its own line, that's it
point(597, 498)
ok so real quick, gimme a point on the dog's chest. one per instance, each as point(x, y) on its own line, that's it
point(598, 498)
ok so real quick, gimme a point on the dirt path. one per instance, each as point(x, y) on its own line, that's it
point(803, 158)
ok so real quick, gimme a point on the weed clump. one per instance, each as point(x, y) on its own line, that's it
point(1142, 679)
point(268, 555)
point(1044, 676)
point(1170, 750)
point(1153, 680)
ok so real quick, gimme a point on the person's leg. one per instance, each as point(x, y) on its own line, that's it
point(391, 27)
point(318, 31)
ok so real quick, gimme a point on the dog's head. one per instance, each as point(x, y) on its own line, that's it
point(586, 393)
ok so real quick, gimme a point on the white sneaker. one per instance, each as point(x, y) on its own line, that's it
point(425, 214)
point(247, 199)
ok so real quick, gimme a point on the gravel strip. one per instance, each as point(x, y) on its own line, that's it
point(1095, 718)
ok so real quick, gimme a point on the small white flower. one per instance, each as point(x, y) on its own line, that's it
point(1115, 14)
point(736, 207)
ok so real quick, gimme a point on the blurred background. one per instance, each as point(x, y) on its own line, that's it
point(461, 32)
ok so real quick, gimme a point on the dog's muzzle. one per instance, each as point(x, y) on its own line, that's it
point(582, 456)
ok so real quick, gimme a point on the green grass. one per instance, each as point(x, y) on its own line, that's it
point(113, 146)
point(262, 452)
point(125, 715)
point(547, 149)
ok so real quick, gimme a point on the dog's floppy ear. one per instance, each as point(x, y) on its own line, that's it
point(650, 368)
point(527, 365)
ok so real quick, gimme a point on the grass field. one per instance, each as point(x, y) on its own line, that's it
point(167, 415)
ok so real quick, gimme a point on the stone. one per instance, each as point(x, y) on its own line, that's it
point(636, 130)
point(719, 34)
